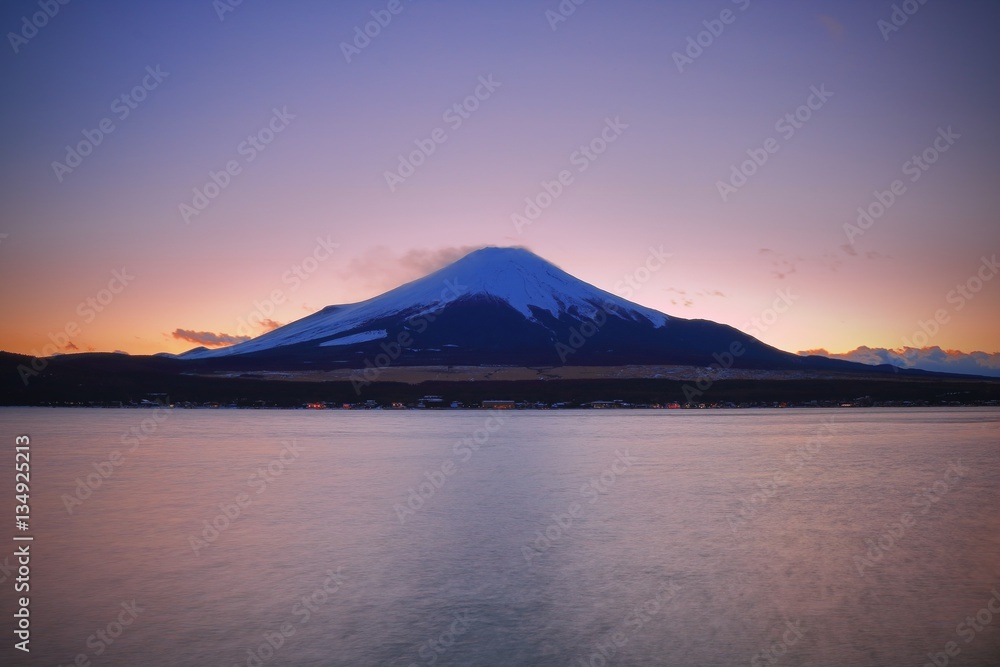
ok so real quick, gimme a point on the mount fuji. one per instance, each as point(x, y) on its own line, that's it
point(502, 306)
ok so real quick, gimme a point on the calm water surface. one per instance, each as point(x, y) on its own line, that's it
point(762, 537)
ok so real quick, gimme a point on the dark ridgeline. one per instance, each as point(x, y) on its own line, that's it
point(493, 307)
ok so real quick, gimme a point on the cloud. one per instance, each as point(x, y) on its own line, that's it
point(382, 269)
point(831, 261)
point(684, 299)
point(781, 265)
point(925, 358)
point(207, 338)
point(270, 325)
point(428, 261)
point(849, 249)
point(70, 346)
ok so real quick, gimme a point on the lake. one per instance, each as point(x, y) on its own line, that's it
point(601, 537)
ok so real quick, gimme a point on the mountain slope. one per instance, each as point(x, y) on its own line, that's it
point(514, 277)
point(500, 306)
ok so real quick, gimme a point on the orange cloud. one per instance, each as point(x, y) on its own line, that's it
point(207, 338)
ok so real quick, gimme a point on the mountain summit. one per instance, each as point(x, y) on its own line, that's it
point(526, 282)
point(499, 306)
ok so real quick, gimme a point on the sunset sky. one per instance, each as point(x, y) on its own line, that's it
point(313, 218)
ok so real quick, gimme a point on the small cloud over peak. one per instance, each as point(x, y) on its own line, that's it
point(207, 338)
point(427, 261)
point(380, 268)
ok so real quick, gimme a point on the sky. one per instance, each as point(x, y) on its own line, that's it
point(178, 174)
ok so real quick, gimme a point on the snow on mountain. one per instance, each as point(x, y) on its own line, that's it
point(362, 337)
point(525, 281)
point(513, 276)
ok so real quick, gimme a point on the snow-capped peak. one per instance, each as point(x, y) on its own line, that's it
point(514, 276)
point(524, 281)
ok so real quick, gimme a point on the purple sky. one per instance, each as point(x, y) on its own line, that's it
point(645, 129)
